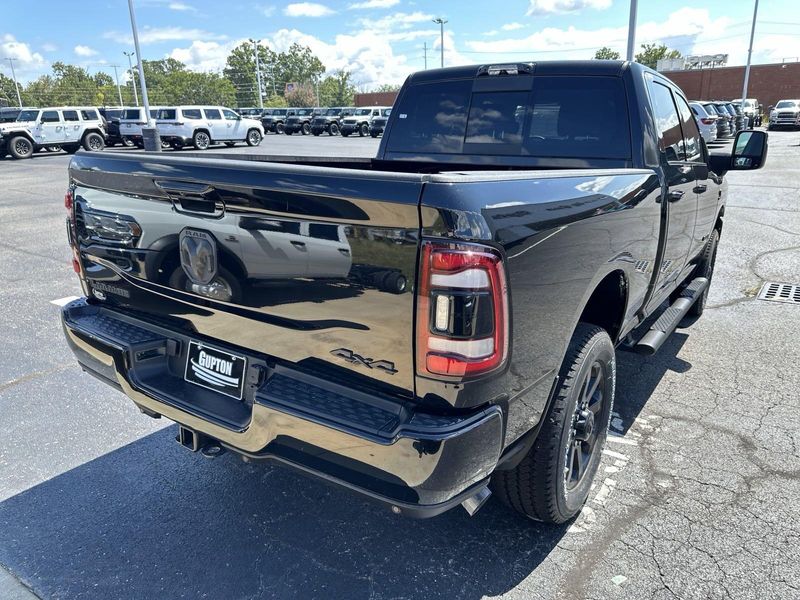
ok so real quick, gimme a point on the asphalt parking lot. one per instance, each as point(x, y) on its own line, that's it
point(698, 495)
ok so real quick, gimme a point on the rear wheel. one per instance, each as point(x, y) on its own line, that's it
point(305, 129)
point(280, 128)
point(201, 140)
point(127, 142)
point(363, 130)
point(20, 147)
point(93, 142)
point(253, 137)
point(553, 480)
point(333, 129)
point(224, 286)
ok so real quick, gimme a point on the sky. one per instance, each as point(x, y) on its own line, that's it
point(382, 41)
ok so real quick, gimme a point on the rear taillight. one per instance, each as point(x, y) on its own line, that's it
point(68, 198)
point(708, 120)
point(462, 310)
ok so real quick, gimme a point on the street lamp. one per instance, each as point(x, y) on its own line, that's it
point(150, 136)
point(133, 77)
point(258, 74)
point(440, 21)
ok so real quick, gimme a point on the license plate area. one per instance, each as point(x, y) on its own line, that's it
point(215, 369)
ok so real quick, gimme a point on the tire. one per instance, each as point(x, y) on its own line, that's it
point(363, 130)
point(333, 129)
point(345, 133)
point(280, 128)
point(230, 144)
point(165, 144)
point(127, 142)
point(305, 128)
point(201, 140)
point(287, 131)
point(71, 148)
point(705, 268)
point(232, 290)
point(315, 133)
point(177, 146)
point(394, 283)
point(93, 142)
point(545, 485)
point(373, 134)
point(254, 137)
point(53, 148)
point(20, 147)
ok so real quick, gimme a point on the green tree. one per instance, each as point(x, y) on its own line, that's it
point(388, 87)
point(8, 93)
point(652, 53)
point(337, 89)
point(606, 53)
point(302, 95)
point(297, 65)
point(240, 70)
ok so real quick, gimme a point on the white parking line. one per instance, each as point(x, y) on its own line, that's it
point(64, 301)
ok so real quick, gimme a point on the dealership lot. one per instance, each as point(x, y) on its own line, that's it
point(696, 497)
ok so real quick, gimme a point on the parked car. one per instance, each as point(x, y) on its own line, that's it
point(250, 112)
point(751, 109)
point(330, 121)
point(299, 121)
point(723, 119)
point(132, 121)
point(738, 116)
point(273, 120)
point(64, 127)
point(360, 120)
point(542, 218)
point(112, 117)
point(201, 126)
point(785, 114)
point(378, 124)
point(705, 121)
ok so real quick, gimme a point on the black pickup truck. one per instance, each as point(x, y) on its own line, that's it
point(424, 327)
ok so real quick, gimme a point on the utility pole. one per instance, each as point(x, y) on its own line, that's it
point(258, 74)
point(425, 54)
point(632, 30)
point(133, 77)
point(749, 55)
point(155, 143)
point(119, 89)
point(441, 23)
point(14, 76)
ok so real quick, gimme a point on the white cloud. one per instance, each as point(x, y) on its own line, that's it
point(25, 58)
point(395, 21)
point(182, 7)
point(374, 4)
point(539, 7)
point(512, 26)
point(267, 10)
point(307, 9)
point(152, 35)
point(49, 47)
point(84, 51)
point(204, 56)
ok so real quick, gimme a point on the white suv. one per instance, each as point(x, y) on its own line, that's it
point(132, 121)
point(201, 126)
point(67, 128)
point(361, 119)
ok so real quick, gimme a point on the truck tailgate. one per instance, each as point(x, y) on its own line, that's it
point(307, 265)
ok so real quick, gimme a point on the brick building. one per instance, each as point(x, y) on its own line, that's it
point(375, 99)
point(768, 83)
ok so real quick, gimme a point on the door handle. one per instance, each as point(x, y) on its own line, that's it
point(675, 195)
point(298, 244)
point(700, 188)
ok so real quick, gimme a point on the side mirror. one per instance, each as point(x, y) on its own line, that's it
point(749, 150)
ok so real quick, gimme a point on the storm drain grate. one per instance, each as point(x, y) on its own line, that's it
point(780, 292)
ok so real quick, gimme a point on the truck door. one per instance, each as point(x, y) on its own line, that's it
point(72, 126)
point(233, 125)
point(50, 129)
point(679, 200)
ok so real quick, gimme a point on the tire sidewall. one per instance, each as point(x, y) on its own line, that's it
point(600, 348)
point(12, 147)
point(199, 135)
point(251, 137)
point(333, 129)
point(87, 144)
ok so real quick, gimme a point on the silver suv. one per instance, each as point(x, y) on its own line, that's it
point(201, 126)
point(62, 127)
point(785, 114)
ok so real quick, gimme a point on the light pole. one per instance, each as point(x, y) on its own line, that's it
point(425, 54)
point(119, 89)
point(153, 142)
point(14, 76)
point(632, 30)
point(749, 55)
point(133, 77)
point(258, 74)
point(441, 23)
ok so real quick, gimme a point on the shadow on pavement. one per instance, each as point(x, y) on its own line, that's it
point(150, 520)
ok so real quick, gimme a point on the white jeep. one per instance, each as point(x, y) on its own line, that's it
point(361, 119)
point(67, 128)
point(201, 126)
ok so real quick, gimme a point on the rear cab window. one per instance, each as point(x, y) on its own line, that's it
point(550, 120)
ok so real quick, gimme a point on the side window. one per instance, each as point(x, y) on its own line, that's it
point(89, 115)
point(191, 113)
point(230, 115)
point(70, 115)
point(212, 114)
point(691, 134)
point(324, 232)
point(50, 116)
point(667, 121)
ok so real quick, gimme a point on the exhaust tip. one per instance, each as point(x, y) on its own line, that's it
point(474, 503)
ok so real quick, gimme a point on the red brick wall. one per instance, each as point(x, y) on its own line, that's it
point(375, 99)
point(768, 83)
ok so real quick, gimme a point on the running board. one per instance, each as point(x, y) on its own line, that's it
point(669, 319)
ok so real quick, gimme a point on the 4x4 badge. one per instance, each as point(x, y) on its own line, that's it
point(352, 357)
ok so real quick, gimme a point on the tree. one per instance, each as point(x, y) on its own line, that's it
point(302, 96)
point(8, 93)
point(297, 65)
point(337, 89)
point(652, 53)
point(606, 53)
point(388, 87)
point(240, 70)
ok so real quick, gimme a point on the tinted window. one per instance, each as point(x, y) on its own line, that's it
point(691, 134)
point(28, 115)
point(711, 109)
point(324, 232)
point(166, 114)
point(134, 114)
point(70, 115)
point(89, 115)
point(113, 114)
point(212, 113)
point(562, 117)
point(281, 112)
point(192, 113)
point(50, 116)
point(667, 121)
point(303, 112)
point(230, 115)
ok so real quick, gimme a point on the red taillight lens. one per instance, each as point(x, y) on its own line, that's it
point(708, 120)
point(462, 310)
point(68, 198)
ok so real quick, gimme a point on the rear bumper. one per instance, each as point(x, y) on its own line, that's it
point(419, 464)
